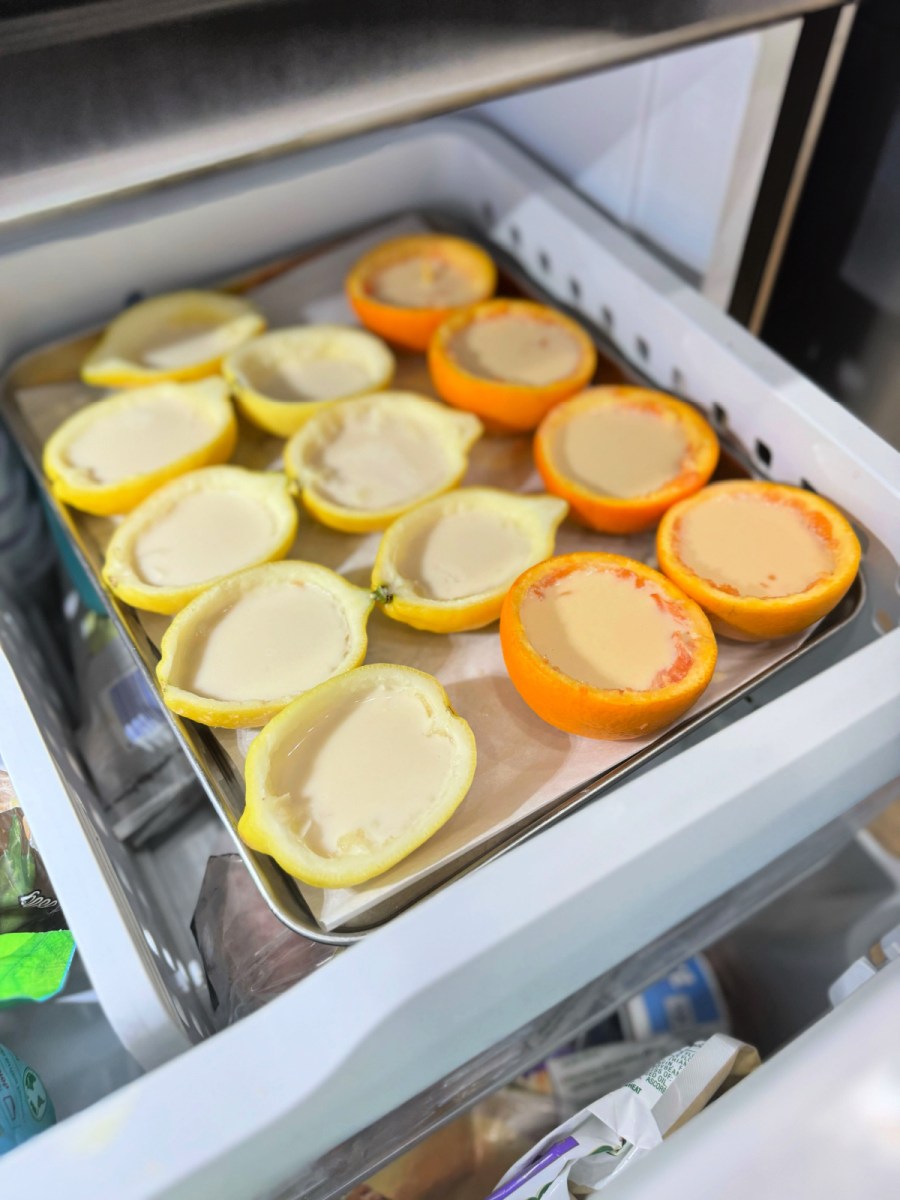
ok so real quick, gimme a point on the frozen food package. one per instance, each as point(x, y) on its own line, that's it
point(25, 1107)
point(138, 769)
point(27, 900)
point(249, 956)
point(580, 1157)
point(578, 1078)
point(687, 1003)
point(34, 966)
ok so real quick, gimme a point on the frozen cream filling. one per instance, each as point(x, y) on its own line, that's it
point(203, 535)
point(600, 629)
point(375, 460)
point(365, 772)
point(315, 378)
point(752, 547)
point(138, 439)
point(424, 281)
point(516, 349)
point(620, 451)
point(185, 343)
point(464, 554)
point(274, 641)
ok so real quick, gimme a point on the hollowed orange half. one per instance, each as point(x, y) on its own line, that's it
point(763, 559)
point(510, 362)
point(621, 456)
point(605, 647)
point(405, 288)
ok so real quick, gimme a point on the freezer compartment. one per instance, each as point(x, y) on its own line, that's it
point(766, 982)
point(503, 807)
point(799, 923)
point(800, 752)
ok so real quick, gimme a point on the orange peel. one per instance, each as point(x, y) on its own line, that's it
point(504, 396)
point(630, 661)
point(621, 456)
point(821, 553)
point(433, 264)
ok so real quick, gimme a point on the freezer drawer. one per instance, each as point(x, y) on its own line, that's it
point(438, 986)
point(820, 1121)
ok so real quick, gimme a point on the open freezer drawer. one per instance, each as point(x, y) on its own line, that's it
point(244, 1112)
point(819, 1121)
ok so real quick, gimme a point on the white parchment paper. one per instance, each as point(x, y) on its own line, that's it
point(524, 765)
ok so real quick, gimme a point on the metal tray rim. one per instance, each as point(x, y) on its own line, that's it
point(191, 737)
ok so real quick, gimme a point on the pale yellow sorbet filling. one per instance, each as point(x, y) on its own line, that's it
point(757, 547)
point(202, 536)
point(375, 460)
point(185, 344)
point(424, 282)
point(274, 641)
point(362, 775)
point(464, 554)
point(138, 439)
point(306, 379)
point(517, 349)
point(601, 630)
point(620, 451)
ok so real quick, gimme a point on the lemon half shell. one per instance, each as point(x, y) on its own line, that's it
point(197, 530)
point(182, 335)
point(248, 646)
point(283, 378)
point(111, 455)
point(446, 565)
point(356, 774)
point(360, 464)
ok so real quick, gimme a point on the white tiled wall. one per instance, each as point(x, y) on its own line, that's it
point(672, 147)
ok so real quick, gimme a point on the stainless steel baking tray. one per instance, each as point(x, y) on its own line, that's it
point(211, 756)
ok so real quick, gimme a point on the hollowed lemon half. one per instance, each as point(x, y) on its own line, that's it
point(196, 530)
point(249, 645)
point(356, 774)
point(182, 335)
point(764, 560)
point(110, 456)
point(283, 378)
point(446, 565)
point(363, 463)
point(404, 288)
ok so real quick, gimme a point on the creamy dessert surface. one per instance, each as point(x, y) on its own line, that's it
point(424, 281)
point(375, 460)
point(598, 628)
point(363, 774)
point(751, 546)
point(272, 641)
point(619, 450)
point(138, 439)
point(516, 349)
point(203, 535)
point(296, 378)
point(464, 553)
point(182, 343)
